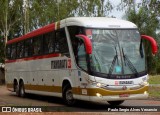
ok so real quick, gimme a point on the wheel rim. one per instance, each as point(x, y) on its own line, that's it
point(22, 91)
point(17, 89)
point(69, 96)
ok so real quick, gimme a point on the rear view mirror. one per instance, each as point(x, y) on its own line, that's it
point(153, 43)
point(87, 42)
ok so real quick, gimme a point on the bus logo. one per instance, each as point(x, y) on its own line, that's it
point(69, 63)
point(116, 83)
point(125, 82)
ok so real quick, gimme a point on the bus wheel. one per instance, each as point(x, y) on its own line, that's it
point(16, 89)
point(115, 103)
point(68, 95)
point(21, 89)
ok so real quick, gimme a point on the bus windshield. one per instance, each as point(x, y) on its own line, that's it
point(116, 52)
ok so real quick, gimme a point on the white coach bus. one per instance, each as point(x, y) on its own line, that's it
point(95, 59)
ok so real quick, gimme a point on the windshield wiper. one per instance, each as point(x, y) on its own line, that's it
point(129, 63)
point(113, 63)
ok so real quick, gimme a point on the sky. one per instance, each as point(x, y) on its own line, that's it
point(118, 14)
point(115, 13)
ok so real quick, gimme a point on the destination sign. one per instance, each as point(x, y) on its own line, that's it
point(58, 64)
point(61, 64)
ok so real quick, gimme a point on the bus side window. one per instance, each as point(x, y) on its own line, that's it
point(8, 53)
point(13, 52)
point(37, 45)
point(73, 31)
point(28, 48)
point(82, 61)
point(49, 40)
point(61, 45)
point(20, 49)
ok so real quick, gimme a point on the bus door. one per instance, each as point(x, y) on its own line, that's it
point(81, 73)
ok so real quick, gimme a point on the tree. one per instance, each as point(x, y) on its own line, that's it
point(43, 12)
point(18, 17)
point(146, 18)
point(9, 16)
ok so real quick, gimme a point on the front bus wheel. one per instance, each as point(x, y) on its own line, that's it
point(68, 95)
point(115, 103)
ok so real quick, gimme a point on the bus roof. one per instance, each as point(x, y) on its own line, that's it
point(89, 22)
point(37, 32)
point(97, 22)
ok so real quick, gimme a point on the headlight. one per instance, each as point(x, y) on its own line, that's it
point(99, 85)
point(144, 83)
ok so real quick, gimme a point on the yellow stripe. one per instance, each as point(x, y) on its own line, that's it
point(44, 88)
point(103, 92)
point(78, 91)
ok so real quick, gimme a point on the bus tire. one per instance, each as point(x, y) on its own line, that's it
point(68, 95)
point(115, 103)
point(21, 89)
point(16, 89)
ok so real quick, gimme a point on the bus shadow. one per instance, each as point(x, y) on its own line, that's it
point(49, 99)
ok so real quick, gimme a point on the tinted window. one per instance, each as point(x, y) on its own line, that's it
point(73, 31)
point(13, 52)
point(8, 52)
point(82, 61)
point(20, 49)
point(28, 48)
point(49, 42)
point(37, 45)
point(61, 42)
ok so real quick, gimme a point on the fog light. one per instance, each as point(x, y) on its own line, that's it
point(98, 95)
point(145, 92)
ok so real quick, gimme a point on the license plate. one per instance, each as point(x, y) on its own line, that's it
point(124, 95)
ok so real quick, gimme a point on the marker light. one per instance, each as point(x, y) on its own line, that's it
point(99, 84)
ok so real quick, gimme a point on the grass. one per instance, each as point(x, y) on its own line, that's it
point(154, 79)
point(154, 92)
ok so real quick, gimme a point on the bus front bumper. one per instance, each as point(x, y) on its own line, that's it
point(102, 95)
point(104, 99)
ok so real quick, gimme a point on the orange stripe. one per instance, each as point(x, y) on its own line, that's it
point(57, 89)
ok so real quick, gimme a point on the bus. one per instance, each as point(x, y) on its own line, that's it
point(94, 59)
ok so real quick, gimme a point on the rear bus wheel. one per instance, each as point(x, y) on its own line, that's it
point(21, 90)
point(16, 89)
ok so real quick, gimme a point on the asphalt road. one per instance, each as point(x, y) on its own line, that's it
point(8, 98)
